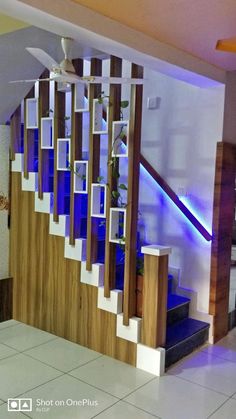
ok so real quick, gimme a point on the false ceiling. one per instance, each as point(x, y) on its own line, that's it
point(8, 24)
point(190, 25)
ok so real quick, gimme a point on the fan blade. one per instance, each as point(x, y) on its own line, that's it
point(227, 45)
point(112, 80)
point(44, 58)
point(28, 81)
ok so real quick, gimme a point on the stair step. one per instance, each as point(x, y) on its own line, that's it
point(183, 337)
point(177, 308)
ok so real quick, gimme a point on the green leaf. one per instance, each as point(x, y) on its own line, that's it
point(100, 178)
point(66, 118)
point(124, 104)
point(100, 100)
point(123, 186)
point(115, 194)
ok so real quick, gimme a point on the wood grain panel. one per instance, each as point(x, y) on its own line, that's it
point(47, 292)
point(155, 284)
point(223, 213)
point(114, 115)
point(28, 141)
point(59, 132)
point(93, 168)
point(129, 306)
point(15, 124)
point(76, 153)
point(6, 288)
point(43, 155)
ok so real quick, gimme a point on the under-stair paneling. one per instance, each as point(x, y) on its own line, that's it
point(47, 292)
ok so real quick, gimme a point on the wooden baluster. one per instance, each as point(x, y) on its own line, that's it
point(155, 288)
point(59, 132)
point(76, 153)
point(15, 124)
point(93, 168)
point(129, 306)
point(28, 140)
point(43, 155)
point(114, 114)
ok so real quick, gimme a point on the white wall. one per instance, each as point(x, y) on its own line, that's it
point(4, 170)
point(179, 140)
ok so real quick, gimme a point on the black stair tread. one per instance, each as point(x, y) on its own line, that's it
point(182, 330)
point(174, 300)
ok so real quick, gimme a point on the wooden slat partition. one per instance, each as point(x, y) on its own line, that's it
point(28, 140)
point(93, 168)
point(76, 153)
point(59, 132)
point(114, 115)
point(129, 304)
point(43, 155)
point(223, 213)
point(15, 124)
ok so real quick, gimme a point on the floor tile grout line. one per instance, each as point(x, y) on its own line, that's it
point(91, 385)
point(28, 349)
point(107, 408)
point(57, 369)
point(143, 410)
point(10, 325)
point(138, 388)
point(23, 413)
point(82, 365)
point(219, 407)
point(199, 385)
point(220, 357)
point(40, 385)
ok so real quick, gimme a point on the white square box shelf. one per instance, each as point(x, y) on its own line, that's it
point(63, 153)
point(117, 225)
point(47, 133)
point(100, 126)
point(98, 200)
point(81, 176)
point(81, 101)
point(120, 131)
point(32, 113)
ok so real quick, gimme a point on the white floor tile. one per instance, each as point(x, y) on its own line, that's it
point(67, 389)
point(209, 371)
point(8, 323)
point(21, 373)
point(113, 376)
point(123, 410)
point(62, 354)
point(4, 414)
point(227, 411)
point(5, 351)
point(22, 337)
point(224, 349)
point(170, 397)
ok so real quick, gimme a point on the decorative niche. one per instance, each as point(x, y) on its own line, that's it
point(32, 113)
point(100, 116)
point(81, 101)
point(63, 154)
point(117, 225)
point(120, 138)
point(47, 133)
point(98, 200)
point(81, 176)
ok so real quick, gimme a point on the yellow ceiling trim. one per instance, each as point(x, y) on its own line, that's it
point(8, 24)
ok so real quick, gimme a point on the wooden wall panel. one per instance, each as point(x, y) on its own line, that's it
point(224, 203)
point(6, 287)
point(47, 292)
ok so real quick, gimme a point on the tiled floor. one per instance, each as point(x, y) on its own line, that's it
point(67, 381)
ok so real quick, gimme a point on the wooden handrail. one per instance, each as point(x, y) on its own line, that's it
point(172, 195)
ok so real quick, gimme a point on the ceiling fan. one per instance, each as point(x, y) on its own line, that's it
point(227, 45)
point(65, 71)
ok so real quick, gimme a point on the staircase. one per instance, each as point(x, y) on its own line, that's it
point(183, 334)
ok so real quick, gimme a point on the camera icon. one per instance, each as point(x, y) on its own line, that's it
point(19, 405)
